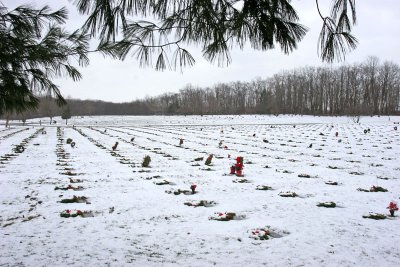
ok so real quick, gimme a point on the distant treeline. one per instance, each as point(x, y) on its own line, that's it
point(368, 88)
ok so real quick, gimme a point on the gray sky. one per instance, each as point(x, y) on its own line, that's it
point(377, 30)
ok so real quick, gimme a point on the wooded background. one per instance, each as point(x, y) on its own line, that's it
point(368, 88)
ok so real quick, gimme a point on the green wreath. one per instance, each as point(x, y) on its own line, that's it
point(19, 149)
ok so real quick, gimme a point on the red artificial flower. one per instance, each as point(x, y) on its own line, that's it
point(392, 206)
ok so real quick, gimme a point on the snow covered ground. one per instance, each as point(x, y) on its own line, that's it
point(137, 223)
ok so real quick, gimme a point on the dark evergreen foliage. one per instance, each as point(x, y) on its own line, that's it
point(216, 26)
point(34, 49)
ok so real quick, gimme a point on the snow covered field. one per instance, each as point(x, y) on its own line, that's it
point(135, 222)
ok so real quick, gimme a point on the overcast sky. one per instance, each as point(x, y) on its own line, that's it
point(378, 32)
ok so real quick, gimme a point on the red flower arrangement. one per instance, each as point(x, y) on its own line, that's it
point(71, 213)
point(392, 208)
point(193, 188)
point(239, 166)
point(260, 234)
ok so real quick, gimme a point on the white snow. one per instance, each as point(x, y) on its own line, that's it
point(136, 223)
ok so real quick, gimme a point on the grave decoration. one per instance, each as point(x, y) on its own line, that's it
point(201, 203)
point(226, 216)
point(304, 175)
point(163, 182)
point(329, 204)
point(238, 167)
point(75, 188)
point(73, 181)
point(193, 188)
point(69, 141)
point(374, 216)
point(76, 213)
point(114, 147)
point(192, 191)
point(266, 233)
point(373, 189)
point(260, 234)
point(209, 159)
point(362, 190)
point(19, 149)
point(288, 194)
point(392, 208)
point(181, 141)
point(76, 199)
point(331, 183)
point(146, 161)
point(241, 181)
point(233, 170)
point(377, 189)
point(263, 187)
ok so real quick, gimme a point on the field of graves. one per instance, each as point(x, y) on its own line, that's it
point(223, 191)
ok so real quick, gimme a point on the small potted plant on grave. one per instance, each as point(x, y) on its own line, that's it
point(193, 188)
point(114, 147)
point(146, 161)
point(209, 159)
point(392, 208)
